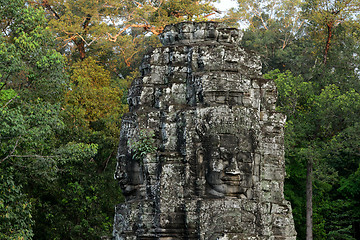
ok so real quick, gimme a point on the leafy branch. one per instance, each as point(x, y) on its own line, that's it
point(144, 144)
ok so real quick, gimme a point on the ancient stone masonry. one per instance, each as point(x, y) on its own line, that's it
point(218, 169)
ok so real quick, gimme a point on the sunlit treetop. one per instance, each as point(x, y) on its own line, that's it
point(83, 23)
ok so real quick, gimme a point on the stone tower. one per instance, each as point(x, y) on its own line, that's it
point(218, 169)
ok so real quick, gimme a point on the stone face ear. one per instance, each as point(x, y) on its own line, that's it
point(215, 167)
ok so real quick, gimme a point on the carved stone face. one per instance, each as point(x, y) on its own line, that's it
point(135, 177)
point(130, 176)
point(228, 166)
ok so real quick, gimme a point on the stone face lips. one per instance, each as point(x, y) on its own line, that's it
point(218, 172)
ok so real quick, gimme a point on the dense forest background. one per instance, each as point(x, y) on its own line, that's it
point(65, 67)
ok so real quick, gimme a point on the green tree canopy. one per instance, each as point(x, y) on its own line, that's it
point(28, 62)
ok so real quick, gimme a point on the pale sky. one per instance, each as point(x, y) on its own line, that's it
point(224, 5)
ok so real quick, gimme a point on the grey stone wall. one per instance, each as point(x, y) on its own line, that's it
point(218, 171)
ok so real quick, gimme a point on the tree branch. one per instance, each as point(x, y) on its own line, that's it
point(1, 88)
point(114, 38)
point(260, 17)
point(107, 161)
point(45, 4)
point(31, 156)
point(10, 101)
point(13, 150)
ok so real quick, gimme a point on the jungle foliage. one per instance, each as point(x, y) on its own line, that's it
point(66, 66)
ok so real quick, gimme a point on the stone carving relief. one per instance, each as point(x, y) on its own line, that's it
point(226, 154)
point(218, 169)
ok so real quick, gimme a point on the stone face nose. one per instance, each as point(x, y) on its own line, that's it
point(233, 168)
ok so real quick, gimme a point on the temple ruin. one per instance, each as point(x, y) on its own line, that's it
point(215, 168)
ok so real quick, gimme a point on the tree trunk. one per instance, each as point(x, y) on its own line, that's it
point(81, 47)
point(309, 208)
point(329, 25)
point(328, 40)
point(80, 43)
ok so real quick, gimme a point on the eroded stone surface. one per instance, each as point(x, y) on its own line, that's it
point(218, 171)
